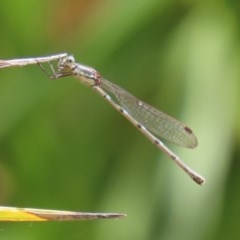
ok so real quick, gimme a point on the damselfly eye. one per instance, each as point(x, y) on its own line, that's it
point(70, 60)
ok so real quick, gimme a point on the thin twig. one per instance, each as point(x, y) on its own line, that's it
point(27, 61)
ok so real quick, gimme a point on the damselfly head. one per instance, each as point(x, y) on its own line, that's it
point(65, 66)
point(66, 62)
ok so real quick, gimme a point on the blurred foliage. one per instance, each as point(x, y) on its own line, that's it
point(63, 147)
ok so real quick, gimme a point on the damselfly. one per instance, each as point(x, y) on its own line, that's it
point(153, 123)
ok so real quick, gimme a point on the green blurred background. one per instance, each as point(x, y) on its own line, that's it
point(63, 147)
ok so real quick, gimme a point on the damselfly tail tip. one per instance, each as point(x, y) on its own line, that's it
point(199, 179)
